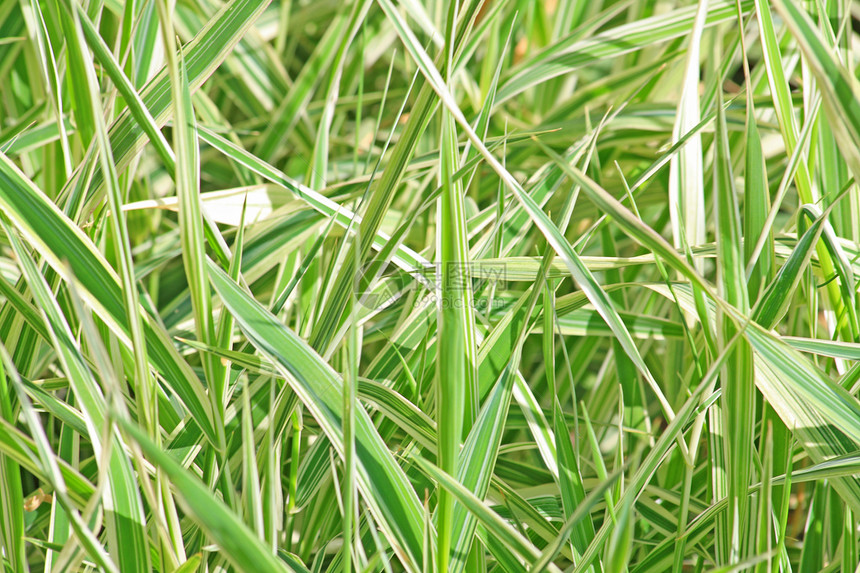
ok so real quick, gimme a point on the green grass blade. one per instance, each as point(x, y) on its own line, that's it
point(203, 55)
point(32, 213)
point(571, 53)
point(737, 380)
point(383, 484)
point(506, 534)
point(839, 88)
point(11, 492)
point(125, 519)
point(686, 185)
point(237, 542)
point(51, 470)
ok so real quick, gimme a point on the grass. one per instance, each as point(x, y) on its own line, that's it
point(424, 286)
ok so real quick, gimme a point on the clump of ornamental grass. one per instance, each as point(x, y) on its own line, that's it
point(429, 286)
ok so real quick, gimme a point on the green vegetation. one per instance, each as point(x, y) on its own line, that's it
point(390, 286)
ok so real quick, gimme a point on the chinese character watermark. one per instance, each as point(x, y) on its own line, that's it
point(442, 285)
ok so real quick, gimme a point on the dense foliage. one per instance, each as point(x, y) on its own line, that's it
point(499, 285)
